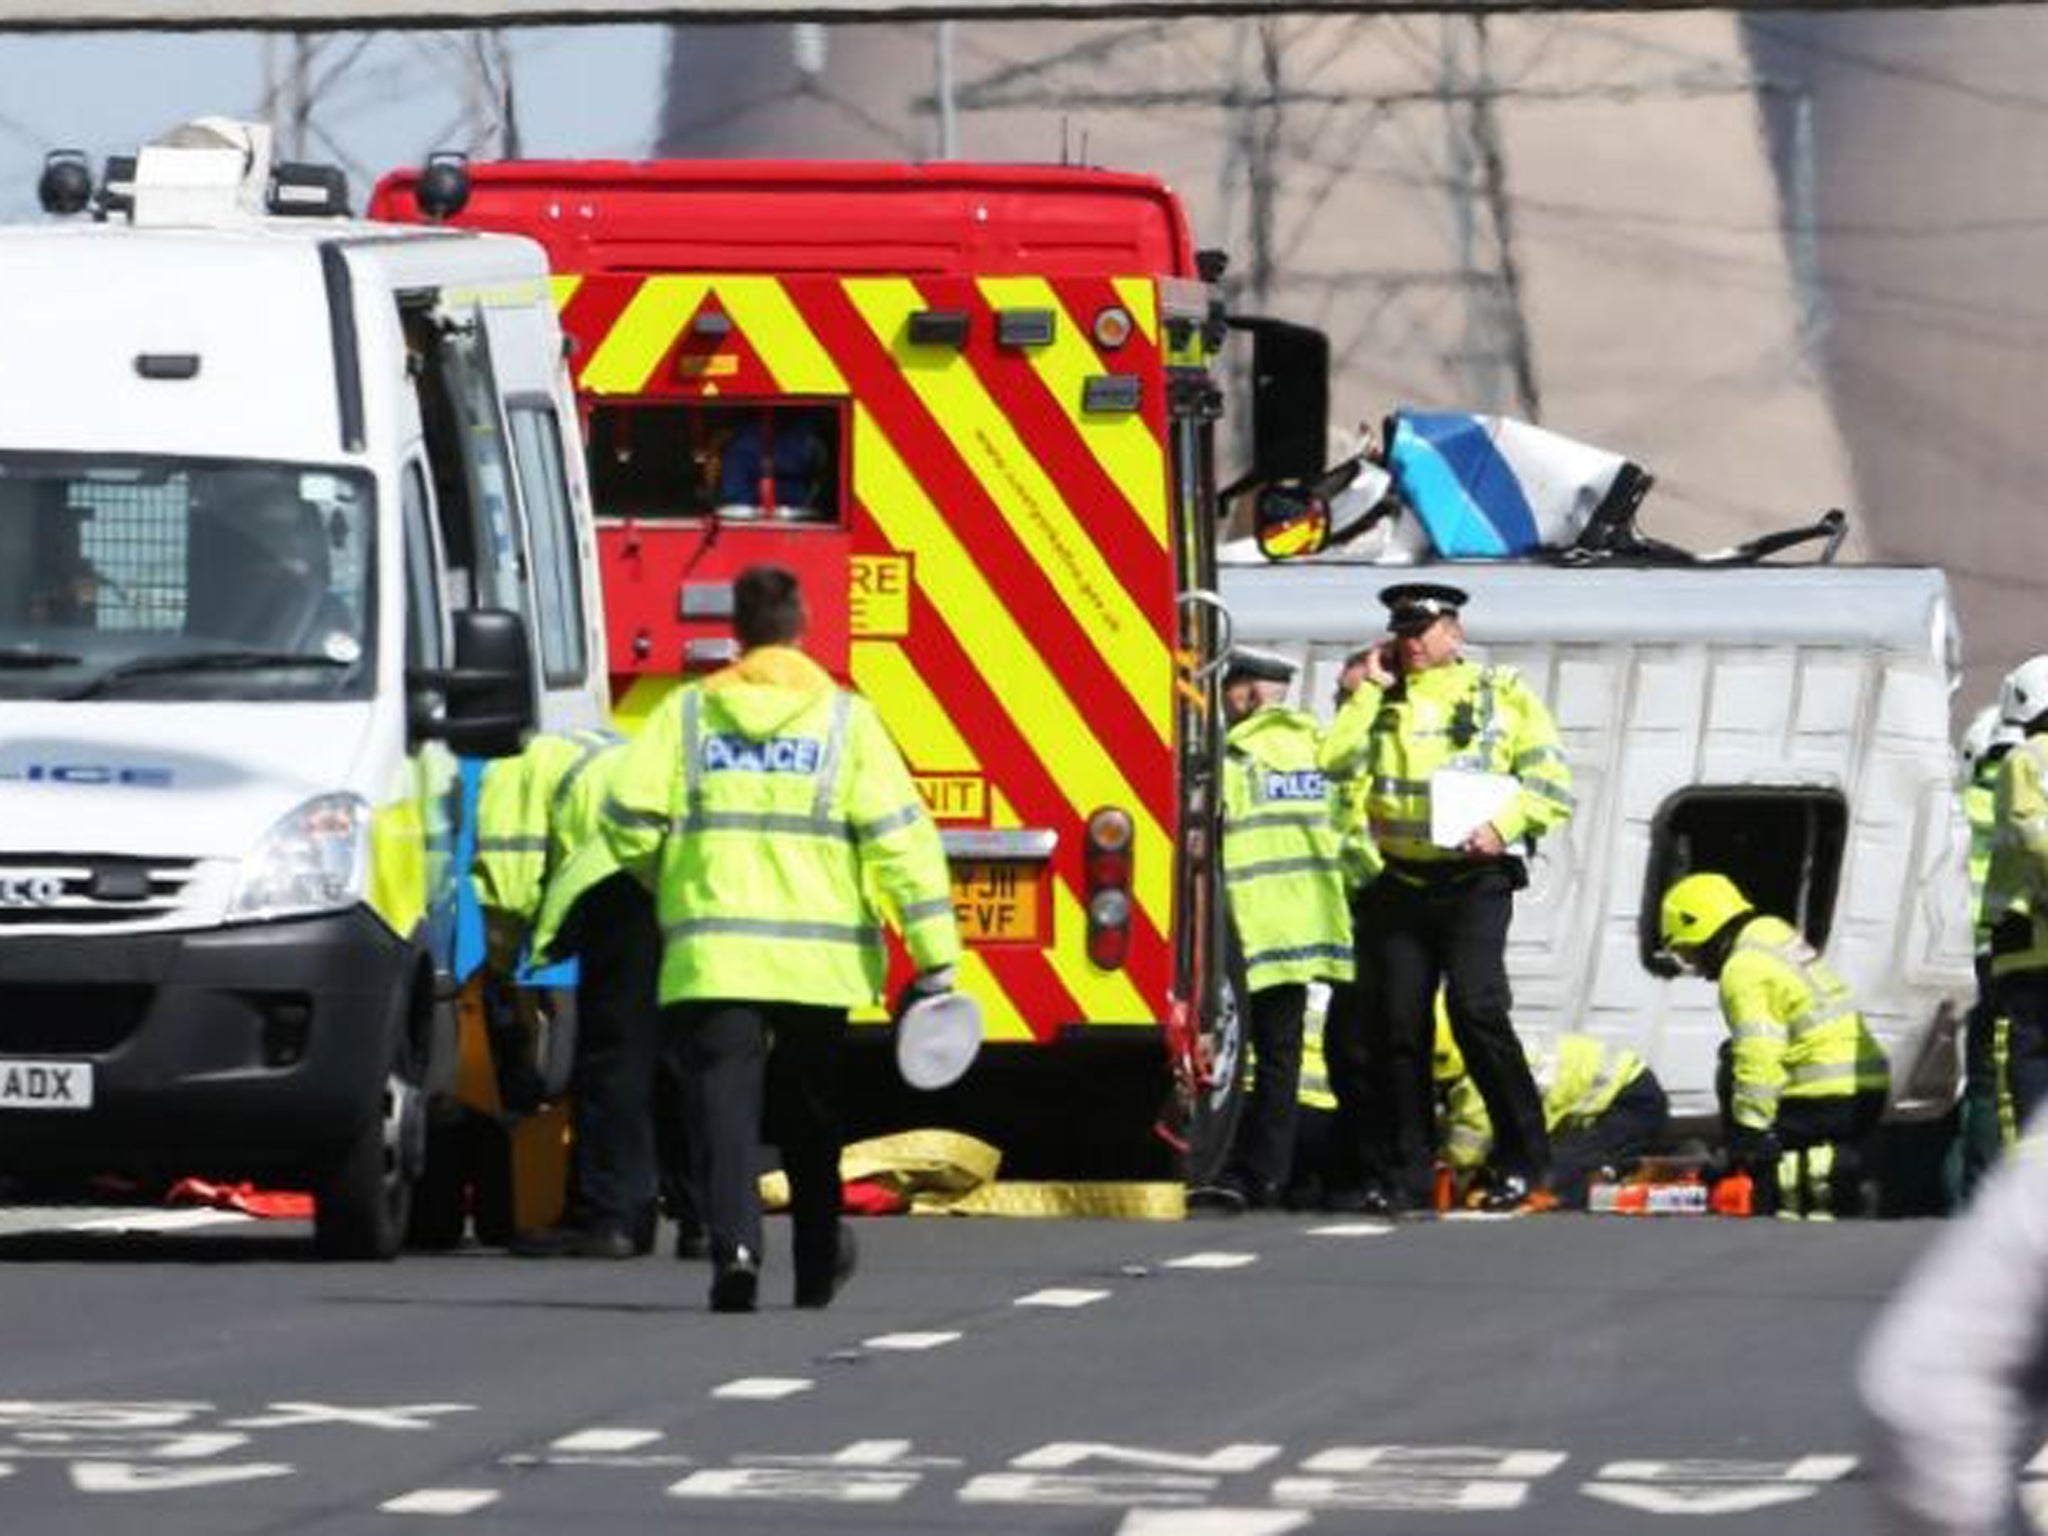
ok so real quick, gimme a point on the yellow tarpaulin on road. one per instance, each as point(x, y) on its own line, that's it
point(949, 1173)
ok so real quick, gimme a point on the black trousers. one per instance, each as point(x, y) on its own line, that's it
point(738, 1057)
point(1450, 932)
point(2022, 998)
point(618, 1038)
point(1625, 1130)
point(1356, 1150)
point(1263, 1150)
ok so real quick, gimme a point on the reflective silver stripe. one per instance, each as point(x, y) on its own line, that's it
point(632, 816)
point(593, 743)
point(693, 703)
point(761, 821)
point(1319, 817)
point(1299, 866)
point(1543, 791)
point(1529, 757)
point(882, 826)
point(1299, 952)
point(1388, 826)
point(835, 744)
point(1755, 1029)
point(512, 845)
point(919, 911)
point(865, 936)
point(1806, 1072)
point(1387, 784)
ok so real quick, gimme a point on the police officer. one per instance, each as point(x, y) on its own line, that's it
point(2016, 886)
point(547, 883)
point(1427, 726)
point(763, 806)
point(1802, 1079)
point(1990, 1122)
point(1284, 886)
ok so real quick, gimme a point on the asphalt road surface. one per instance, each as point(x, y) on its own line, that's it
point(1570, 1376)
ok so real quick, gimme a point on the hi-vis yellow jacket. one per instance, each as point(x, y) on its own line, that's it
point(1459, 715)
point(538, 845)
point(1980, 809)
point(767, 809)
point(1796, 1031)
point(2016, 883)
point(1580, 1076)
point(1282, 872)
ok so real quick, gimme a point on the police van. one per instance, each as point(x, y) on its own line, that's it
point(292, 521)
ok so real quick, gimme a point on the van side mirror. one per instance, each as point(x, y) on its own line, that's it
point(486, 698)
point(1290, 389)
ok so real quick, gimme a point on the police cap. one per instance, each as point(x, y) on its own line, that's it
point(1413, 605)
point(1250, 666)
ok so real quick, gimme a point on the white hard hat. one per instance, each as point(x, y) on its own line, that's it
point(937, 1039)
point(2023, 696)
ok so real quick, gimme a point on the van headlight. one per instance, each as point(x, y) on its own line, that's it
point(316, 859)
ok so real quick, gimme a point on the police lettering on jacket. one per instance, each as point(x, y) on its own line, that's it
point(769, 754)
point(1294, 784)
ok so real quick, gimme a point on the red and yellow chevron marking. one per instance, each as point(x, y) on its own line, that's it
point(1033, 651)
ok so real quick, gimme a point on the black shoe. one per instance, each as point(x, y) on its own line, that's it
point(1221, 1199)
point(735, 1280)
point(813, 1290)
point(574, 1242)
point(692, 1242)
point(1505, 1192)
point(646, 1228)
point(1361, 1200)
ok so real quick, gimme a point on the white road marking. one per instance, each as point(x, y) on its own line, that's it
point(441, 1501)
point(1212, 1261)
point(396, 1416)
point(1805, 1469)
point(133, 1477)
point(910, 1340)
point(1060, 1296)
point(1213, 1522)
point(763, 1389)
point(1352, 1229)
point(156, 1221)
point(1062, 1454)
point(1699, 1498)
point(600, 1440)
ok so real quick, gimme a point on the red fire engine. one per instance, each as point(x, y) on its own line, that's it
point(973, 408)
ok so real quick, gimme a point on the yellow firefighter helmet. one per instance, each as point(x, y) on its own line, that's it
point(1698, 907)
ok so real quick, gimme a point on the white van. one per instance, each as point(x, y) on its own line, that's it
point(1787, 725)
point(292, 516)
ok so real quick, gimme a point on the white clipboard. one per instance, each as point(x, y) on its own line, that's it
point(1461, 799)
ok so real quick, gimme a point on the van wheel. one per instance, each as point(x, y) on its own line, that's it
point(1212, 1117)
point(361, 1209)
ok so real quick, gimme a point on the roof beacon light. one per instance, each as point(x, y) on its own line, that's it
point(443, 188)
point(65, 186)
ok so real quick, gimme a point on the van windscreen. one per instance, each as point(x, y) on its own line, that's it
point(167, 577)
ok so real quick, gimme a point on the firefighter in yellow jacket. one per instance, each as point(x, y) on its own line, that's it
point(768, 810)
point(1283, 879)
point(1466, 771)
point(2016, 887)
point(550, 889)
point(1990, 1123)
point(1803, 1081)
point(1602, 1105)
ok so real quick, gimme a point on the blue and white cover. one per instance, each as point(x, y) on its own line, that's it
point(1484, 487)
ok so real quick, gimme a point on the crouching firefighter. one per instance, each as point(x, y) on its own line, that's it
point(1283, 879)
point(549, 887)
point(1802, 1082)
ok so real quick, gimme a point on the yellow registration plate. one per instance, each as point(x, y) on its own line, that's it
point(1001, 901)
